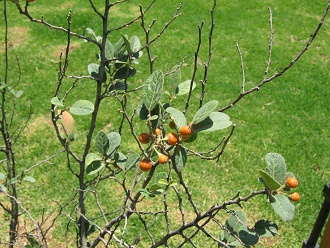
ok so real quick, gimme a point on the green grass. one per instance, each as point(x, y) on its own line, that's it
point(289, 116)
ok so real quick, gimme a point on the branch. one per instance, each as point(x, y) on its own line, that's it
point(280, 73)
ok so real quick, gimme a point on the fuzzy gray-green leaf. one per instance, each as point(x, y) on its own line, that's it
point(152, 90)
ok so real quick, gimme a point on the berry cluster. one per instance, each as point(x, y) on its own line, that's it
point(160, 141)
point(292, 183)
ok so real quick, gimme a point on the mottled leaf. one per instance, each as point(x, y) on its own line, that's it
point(102, 142)
point(276, 167)
point(153, 89)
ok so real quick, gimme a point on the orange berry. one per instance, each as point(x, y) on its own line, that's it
point(31, 1)
point(294, 196)
point(162, 159)
point(116, 166)
point(185, 131)
point(145, 164)
point(172, 125)
point(144, 138)
point(171, 138)
point(291, 182)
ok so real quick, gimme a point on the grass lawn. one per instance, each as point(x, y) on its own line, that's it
point(289, 116)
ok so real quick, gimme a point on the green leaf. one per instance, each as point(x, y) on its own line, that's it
point(152, 118)
point(162, 182)
point(120, 47)
point(57, 102)
point(91, 157)
point(216, 121)
point(114, 142)
point(125, 72)
point(283, 207)
point(180, 158)
point(204, 111)
point(109, 50)
point(265, 228)
point(94, 167)
point(172, 183)
point(146, 193)
point(175, 77)
point(102, 142)
point(29, 179)
point(247, 237)
point(2, 176)
point(3, 188)
point(269, 181)
point(178, 117)
point(94, 71)
point(234, 224)
point(127, 44)
point(120, 159)
point(82, 107)
point(184, 88)
point(155, 187)
point(152, 90)
point(135, 44)
point(13, 180)
point(276, 167)
point(132, 161)
point(91, 32)
point(16, 94)
point(159, 176)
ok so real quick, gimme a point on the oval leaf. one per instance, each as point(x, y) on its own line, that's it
point(29, 179)
point(94, 167)
point(184, 88)
point(3, 188)
point(175, 77)
point(120, 159)
point(204, 111)
point(132, 161)
point(114, 142)
point(91, 157)
point(276, 167)
point(153, 89)
point(269, 181)
point(216, 121)
point(82, 107)
point(177, 116)
point(57, 102)
point(102, 143)
point(135, 44)
point(180, 158)
point(283, 207)
point(265, 228)
point(2, 176)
